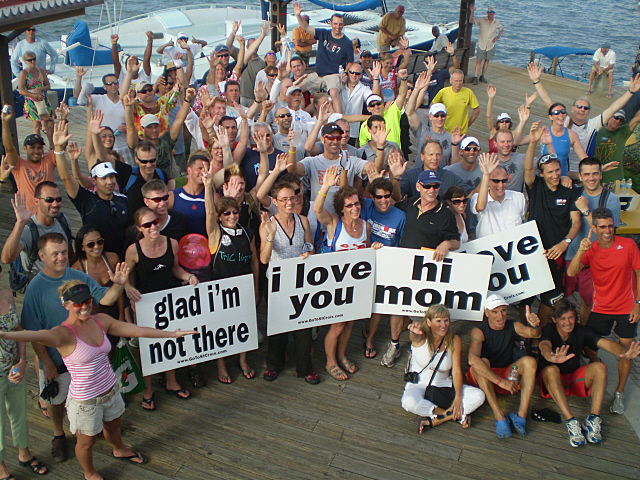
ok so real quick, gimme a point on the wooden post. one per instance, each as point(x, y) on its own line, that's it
point(464, 33)
point(6, 92)
point(554, 65)
point(532, 57)
point(278, 17)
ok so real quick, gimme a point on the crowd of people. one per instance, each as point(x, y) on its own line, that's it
point(289, 164)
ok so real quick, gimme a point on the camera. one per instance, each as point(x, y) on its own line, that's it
point(50, 390)
point(411, 377)
point(6, 109)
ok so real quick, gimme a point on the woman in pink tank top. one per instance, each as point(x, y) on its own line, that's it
point(94, 403)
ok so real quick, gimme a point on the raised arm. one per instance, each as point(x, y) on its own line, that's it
point(488, 163)
point(178, 123)
point(524, 111)
point(421, 85)
point(213, 229)
point(115, 56)
point(74, 152)
point(634, 87)
point(60, 140)
point(402, 91)
point(132, 66)
point(264, 189)
point(264, 31)
point(529, 172)
point(148, 50)
point(243, 59)
point(297, 10)
point(12, 246)
point(397, 167)
point(11, 153)
point(532, 330)
point(327, 219)
point(491, 93)
point(77, 86)
point(535, 71)
point(132, 132)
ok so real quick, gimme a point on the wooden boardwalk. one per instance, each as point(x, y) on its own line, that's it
point(356, 429)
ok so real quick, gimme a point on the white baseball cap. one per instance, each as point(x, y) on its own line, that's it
point(504, 116)
point(103, 169)
point(495, 301)
point(467, 140)
point(437, 108)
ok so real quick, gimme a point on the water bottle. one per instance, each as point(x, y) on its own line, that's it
point(630, 186)
point(513, 374)
point(520, 350)
point(297, 134)
point(340, 70)
point(14, 371)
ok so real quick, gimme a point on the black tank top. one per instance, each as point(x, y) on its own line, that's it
point(498, 344)
point(233, 257)
point(154, 274)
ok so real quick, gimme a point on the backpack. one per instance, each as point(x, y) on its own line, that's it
point(20, 275)
point(326, 247)
point(135, 173)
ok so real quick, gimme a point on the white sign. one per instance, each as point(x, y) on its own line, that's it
point(223, 312)
point(520, 269)
point(408, 282)
point(320, 290)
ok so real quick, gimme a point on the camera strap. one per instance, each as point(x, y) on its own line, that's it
point(425, 367)
point(439, 362)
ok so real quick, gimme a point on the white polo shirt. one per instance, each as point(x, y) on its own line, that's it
point(497, 216)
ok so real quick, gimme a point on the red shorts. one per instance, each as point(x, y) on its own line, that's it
point(573, 384)
point(503, 372)
point(581, 282)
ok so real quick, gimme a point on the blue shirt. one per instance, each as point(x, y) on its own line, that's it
point(41, 49)
point(386, 228)
point(332, 52)
point(251, 163)
point(42, 308)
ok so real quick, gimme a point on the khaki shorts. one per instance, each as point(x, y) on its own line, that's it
point(384, 48)
point(314, 83)
point(87, 417)
point(593, 67)
point(486, 54)
point(64, 380)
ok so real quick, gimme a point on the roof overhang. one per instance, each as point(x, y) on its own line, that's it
point(19, 14)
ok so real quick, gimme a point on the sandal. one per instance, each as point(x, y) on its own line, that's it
point(131, 457)
point(503, 429)
point(422, 426)
point(519, 423)
point(270, 375)
point(609, 95)
point(35, 468)
point(45, 412)
point(588, 92)
point(178, 392)
point(369, 352)
point(348, 365)
point(365, 330)
point(337, 373)
point(150, 404)
point(249, 373)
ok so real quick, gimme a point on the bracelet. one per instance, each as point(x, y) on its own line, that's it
point(59, 153)
point(632, 93)
point(528, 107)
point(535, 83)
point(269, 239)
point(292, 150)
point(259, 101)
point(23, 358)
point(189, 277)
point(324, 195)
point(455, 144)
point(380, 149)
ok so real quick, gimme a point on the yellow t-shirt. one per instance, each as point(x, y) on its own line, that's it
point(457, 107)
point(300, 34)
point(392, 25)
point(391, 119)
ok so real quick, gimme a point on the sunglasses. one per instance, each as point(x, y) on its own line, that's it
point(333, 137)
point(380, 197)
point(150, 224)
point(170, 84)
point(505, 121)
point(30, 30)
point(472, 149)
point(355, 73)
point(152, 160)
point(351, 205)
point(108, 84)
point(99, 242)
point(547, 158)
point(284, 115)
point(375, 104)
point(272, 74)
point(160, 199)
point(499, 180)
point(435, 186)
point(146, 90)
point(270, 53)
point(114, 209)
point(29, 60)
point(86, 302)
point(583, 107)
point(459, 201)
point(620, 119)
point(440, 115)
point(223, 55)
point(52, 199)
point(229, 212)
point(562, 111)
point(297, 191)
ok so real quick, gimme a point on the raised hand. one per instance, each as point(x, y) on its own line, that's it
point(62, 112)
point(523, 113)
point(282, 29)
point(223, 137)
point(61, 135)
point(236, 26)
point(488, 163)
point(95, 124)
point(281, 162)
point(546, 137)
point(457, 135)
point(74, 151)
point(262, 144)
point(371, 171)
point(80, 71)
point(403, 74)
point(240, 39)
point(634, 83)
point(114, 38)
point(397, 165)
point(323, 113)
point(430, 62)
point(403, 42)
point(183, 44)
point(120, 274)
point(265, 27)
point(297, 9)
point(380, 137)
point(536, 132)
point(610, 166)
point(530, 99)
point(534, 71)
point(129, 99)
point(189, 94)
point(301, 79)
point(532, 318)
point(132, 64)
point(331, 176)
point(415, 328)
point(375, 71)
point(260, 92)
point(7, 116)
point(267, 106)
point(585, 244)
point(491, 91)
point(560, 355)
point(450, 50)
point(149, 35)
point(19, 204)
point(422, 81)
point(269, 225)
point(5, 168)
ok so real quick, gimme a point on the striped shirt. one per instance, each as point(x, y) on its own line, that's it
point(89, 366)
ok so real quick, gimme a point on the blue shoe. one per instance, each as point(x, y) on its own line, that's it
point(503, 429)
point(518, 423)
point(576, 439)
point(592, 428)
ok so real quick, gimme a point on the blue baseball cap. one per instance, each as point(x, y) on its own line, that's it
point(428, 177)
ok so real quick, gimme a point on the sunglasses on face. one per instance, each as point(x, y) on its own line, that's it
point(152, 160)
point(146, 90)
point(351, 205)
point(222, 55)
point(380, 197)
point(499, 180)
point(30, 60)
point(547, 158)
point(108, 84)
point(99, 242)
point(562, 111)
point(472, 149)
point(160, 199)
point(79, 305)
point(170, 84)
point(620, 119)
point(459, 201)
point(333, 137)
point(270, 53)
point(30, 30)
point(440, 115)
point(583, 107)
point(355, 73)
point(504, 121)
point(375, 104)
point(150, 224)
point(229, 212)
point(272, 74)
point(52, 199)
point(284, 115)
point(435, 186)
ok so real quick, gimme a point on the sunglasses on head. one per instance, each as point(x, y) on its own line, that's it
point(562, 111)
point(499, 180)
point(547, 158)
point(99, 242)
point(333, 137)
point(150, 224)
point(152, 160)
point(583, 107)
point(435, 186)
point(380, 197)
point(458, 201)
point(351, 205)
point(297, 191)
point(51, 199)
point(160, 199)
point(108, 84)
point(229, 212)
point(355, 73)
point(146, 90)
point(86, 302)
point(472, 149)
point(375, 104)
point(284, 115)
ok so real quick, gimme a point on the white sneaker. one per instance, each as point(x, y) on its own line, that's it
point(576, 438)
point(592, 427)
point(393, 352)
point(617, 406)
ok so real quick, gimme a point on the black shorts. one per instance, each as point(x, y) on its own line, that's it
point(602, 324)
point(557, 292)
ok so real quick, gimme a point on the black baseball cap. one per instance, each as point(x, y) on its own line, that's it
point(33, 139)
point(77, 294)
point(331, 127)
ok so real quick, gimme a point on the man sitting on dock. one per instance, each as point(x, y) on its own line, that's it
point(391, 29)
point(604, 61)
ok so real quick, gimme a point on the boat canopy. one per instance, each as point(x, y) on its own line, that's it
point(559, 51)
point(355, 7)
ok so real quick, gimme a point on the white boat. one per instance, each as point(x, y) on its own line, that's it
point(213, 23)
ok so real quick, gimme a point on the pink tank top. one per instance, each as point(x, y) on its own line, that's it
point(89, 366)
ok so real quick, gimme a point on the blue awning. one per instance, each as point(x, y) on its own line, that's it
point(356, 7)
point(559, 51)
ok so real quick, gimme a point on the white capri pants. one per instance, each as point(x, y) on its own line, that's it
point(413, 400)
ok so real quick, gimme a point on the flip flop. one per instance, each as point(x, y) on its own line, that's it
point(226, 379)
point(546, 415)
point(519, 423)
point(609, 95)
point(369, 352)
point(149, 402)
point(336, 372)
point(249, 374)
point(348, 365)
point(178, 392)
point(422, 428)
point(131, 457)
point(503, 429)
point(588, 92)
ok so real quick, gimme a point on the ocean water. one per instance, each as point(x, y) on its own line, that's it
point(528, 24)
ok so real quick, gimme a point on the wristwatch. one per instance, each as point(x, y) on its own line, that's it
point(637, 302)
point(586, 213)
point(568, 240)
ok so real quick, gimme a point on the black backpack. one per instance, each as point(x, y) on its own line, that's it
point(20, 275)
